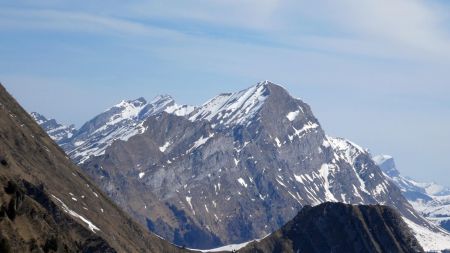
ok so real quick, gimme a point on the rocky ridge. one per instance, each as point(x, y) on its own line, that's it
point(430, 199)
point(235, 168)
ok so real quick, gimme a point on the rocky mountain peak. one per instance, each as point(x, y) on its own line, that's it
point(235, 168)
point(134, 103)
point(141, 100)
point(270, 85)
point(161, 98)
point(240, 108)
point(230, 109)
point(387, 164)
point(120, 122)
point(39, 118)
point(58, 132)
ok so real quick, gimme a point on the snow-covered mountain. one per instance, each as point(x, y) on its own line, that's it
point(119, 122)
point(57, 131)
point(430, 199)
point(233, 169)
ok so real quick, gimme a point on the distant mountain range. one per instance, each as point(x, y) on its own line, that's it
point(430, 199)
point(47, 204)
point(236, 168)
point(58, 132)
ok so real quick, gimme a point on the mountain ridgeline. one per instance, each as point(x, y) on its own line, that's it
point(47, 204)
point(337, 227)
point(236, 168)
point(430, 199)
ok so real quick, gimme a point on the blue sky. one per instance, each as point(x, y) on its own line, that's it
point(374, 71)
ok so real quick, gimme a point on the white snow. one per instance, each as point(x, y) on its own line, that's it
point(231, 247)
point(429, 240)
point(324, 173)
point(356, 191)
point(126, 120)
point(380, 188)
point(298, 179)
point(432, 188)
point(325, 143)
point(305, 129)
point(164, 147)
point(232, 109)
point(242, 182)
point(379, 159)
point(278, 142)
point(180, 110)
point(292, 115)
point(348, 151)
point(281, 183)
point(189, 199)
point(78, 143)
point(202, 140)
point(66, 209)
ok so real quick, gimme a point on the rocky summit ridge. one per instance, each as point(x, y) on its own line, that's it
point(236, 168)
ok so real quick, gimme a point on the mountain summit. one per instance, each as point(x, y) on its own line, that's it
point(236, 168)
point(119, 122)
point(430, 199)
point(58, 132)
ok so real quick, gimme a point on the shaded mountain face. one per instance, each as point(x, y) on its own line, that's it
point(47, 204)
point(337, 227)
point(430, 199)
point(58, 132)
point(233, 169)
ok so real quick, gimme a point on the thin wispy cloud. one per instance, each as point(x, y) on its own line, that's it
point(382, 62)
point(71, 21)
point(403, 26)
point(403, 23)
point(400, 28)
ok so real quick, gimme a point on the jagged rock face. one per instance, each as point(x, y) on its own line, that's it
point(236, 168)
point(387, 165)
point(58, 132)
point(337, 227)
point(430, 199)
point(117, 123)
point(47, 204)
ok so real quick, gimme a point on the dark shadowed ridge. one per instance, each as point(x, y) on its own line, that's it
point(338, 227)
point(48, 204)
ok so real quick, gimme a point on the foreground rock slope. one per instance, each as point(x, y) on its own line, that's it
point(337, 227)
point(47, 204)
